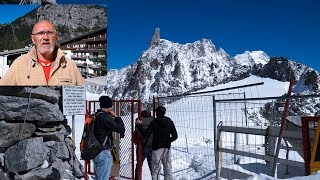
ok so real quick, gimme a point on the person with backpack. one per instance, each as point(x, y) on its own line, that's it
point(164, 133)
point(146, 141)
point(106, 123)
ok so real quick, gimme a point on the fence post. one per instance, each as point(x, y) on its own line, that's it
point(271, 142)
point(246, 115)
point(214, 118)
point(282, 129)
point(186, 143)
point(235, 148)
point(217, 154)
point(216, 137)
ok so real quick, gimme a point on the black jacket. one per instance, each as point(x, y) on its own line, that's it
point(146, 140)
point(164, 132)
point(105, 125)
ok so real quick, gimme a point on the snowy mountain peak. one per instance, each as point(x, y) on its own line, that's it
point(169, 68)
point(202, 49)
point(251, 58)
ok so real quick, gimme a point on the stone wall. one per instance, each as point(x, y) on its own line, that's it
point(34, 136)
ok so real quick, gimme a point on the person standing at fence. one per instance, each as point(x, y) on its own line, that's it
point(146, 141)
point(106, 123)
point(164, 133)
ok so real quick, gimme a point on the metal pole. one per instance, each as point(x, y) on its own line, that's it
point(287, 157)
point(214, 118)
point(246, 115)
point(217, 154)
point(245, 108)
point(73, 144)
point(2, 67)
point(283, 124)
point(235, 148)
point(139, 145)
point(273, 113)
point(73, 130)
point(216, 140)
point(187, 143)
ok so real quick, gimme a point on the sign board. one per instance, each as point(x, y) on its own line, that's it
point(73, 100)
point(315, 155)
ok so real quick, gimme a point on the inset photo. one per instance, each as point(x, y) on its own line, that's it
point(50, 44)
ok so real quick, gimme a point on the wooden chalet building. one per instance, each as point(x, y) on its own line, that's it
point(88, 52)
point(7, 57)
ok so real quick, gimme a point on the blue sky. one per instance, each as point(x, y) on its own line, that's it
point(288, 28)
point(10, 12)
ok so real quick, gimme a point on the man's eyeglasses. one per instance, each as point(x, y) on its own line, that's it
point(41, 33)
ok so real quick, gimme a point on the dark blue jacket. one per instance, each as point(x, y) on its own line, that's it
point(164, 132)
point(105, 124)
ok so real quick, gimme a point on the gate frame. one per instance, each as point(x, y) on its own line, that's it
point(306, 141)
point(90, 109)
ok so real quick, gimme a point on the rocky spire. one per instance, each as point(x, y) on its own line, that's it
point(156, 37)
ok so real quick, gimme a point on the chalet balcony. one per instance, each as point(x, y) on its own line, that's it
point(91, 57)
point(90, 66)
point(79, 57)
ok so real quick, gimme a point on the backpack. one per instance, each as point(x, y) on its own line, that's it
point(90, 147)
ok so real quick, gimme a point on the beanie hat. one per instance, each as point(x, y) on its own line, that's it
point(105, 102)
point(161, 110)
point(146, 113)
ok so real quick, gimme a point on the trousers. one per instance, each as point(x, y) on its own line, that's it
point(102, 165)
point(161, 156)
point(146, 153)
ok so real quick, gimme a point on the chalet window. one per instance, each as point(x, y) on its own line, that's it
point(68, 45)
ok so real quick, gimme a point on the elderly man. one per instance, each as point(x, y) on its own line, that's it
point(45, 64)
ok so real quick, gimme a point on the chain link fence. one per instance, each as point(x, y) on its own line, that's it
point(127, 110)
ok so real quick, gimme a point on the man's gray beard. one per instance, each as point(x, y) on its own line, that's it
point(42, 52)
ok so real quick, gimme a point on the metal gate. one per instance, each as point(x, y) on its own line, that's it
point(128, 110)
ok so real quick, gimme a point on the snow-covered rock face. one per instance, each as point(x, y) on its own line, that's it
point(169, 68)
point(252, 58)
point(282, 69)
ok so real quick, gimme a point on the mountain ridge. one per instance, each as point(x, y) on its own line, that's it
point(169, 68)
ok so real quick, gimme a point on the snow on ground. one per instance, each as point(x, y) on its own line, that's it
point(314, 176)
point(197, 157)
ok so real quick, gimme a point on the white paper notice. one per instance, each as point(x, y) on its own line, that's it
point(73, 100)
